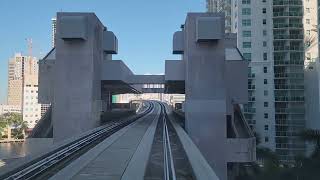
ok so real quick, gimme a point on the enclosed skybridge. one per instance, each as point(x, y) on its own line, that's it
point(79, 76)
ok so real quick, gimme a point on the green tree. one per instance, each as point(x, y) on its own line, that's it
point(14, 120)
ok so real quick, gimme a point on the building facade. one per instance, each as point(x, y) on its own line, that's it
point(270, 35)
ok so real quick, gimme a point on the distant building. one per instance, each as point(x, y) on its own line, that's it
point(31, 108)
point(4, 108)
point(16, 67)
point(54, 30)
point(23, 87)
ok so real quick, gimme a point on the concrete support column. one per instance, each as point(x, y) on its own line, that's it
point(77, 78)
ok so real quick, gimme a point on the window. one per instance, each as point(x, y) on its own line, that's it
point(265, 69)
point(265, 56)
point(264, 10)
point(264, 43)
point(264, 21)
point(247, 56)
point(308, 10)
point(246, 22)
point(266, 139)
point(308, 32)
point(246, 1)
point(246, 11)
point(266, 115)
point(246, 44)
point(308, 21)
point(266, 104)
point(264, 32)
point(246, 33)
point(266, 127)
point(265, 92)
point(265, 81)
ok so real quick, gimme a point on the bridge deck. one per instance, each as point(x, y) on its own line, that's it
point(115, 157)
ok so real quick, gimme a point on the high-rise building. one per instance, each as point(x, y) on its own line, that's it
point(271, 37)
point(54, 30)
point(222, 6)
point(15, 79)
point(23, 87)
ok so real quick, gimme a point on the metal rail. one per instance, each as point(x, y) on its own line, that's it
point(168, 165)
point(50, 160)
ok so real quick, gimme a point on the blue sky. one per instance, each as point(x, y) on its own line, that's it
point(144, 28)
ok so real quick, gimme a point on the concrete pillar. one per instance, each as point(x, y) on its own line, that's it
point(205, 87)
point(77, 78)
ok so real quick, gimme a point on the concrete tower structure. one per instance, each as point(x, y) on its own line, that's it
point(270, 37)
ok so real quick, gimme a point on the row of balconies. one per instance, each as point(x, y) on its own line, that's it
point(289, 75)
point(283, 122)
point(287, 145)
point(284, 133)
point(289, 98)
point(288, 87)
point(251, 75)
point(249, 110)
point(288, 25)
point(287, 14)
point(251, 87)
point(290, 110)
point(291, 62)
point(287, 2)
point(288, 48)
point(291, 36)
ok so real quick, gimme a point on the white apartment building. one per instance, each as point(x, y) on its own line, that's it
point(31, 108)
point(270, 37)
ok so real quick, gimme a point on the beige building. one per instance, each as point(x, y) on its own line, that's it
point(310, 20)
point(23, 87)
point(15, 79)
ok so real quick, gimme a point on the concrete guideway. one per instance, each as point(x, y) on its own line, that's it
point(112, 157)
